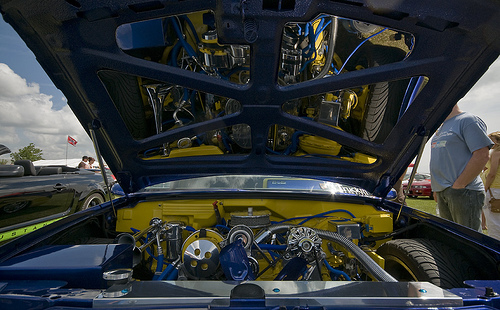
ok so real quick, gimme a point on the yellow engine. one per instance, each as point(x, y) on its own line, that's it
point(255, 239)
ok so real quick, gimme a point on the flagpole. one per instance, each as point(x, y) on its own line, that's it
point(67, 150)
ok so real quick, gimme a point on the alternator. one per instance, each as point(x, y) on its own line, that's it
point(303, 242)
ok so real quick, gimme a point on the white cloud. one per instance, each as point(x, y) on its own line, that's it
point(28, 116)
point(13, 85)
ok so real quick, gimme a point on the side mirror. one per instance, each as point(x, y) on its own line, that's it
point(117, 190)
point(392, 194)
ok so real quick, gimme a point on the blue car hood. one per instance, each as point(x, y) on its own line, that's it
point(344, 91)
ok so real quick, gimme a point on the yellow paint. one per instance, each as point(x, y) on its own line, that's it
point(202, 150)
point(11, 234)
point(199, 213)
point(319, 145)
point(378, 223)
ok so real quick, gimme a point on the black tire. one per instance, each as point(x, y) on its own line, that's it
point(92, 200)
point(425, 260)
point(383, 107)
point(125, 92)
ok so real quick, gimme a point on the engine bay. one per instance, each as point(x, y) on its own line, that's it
point(237, 240)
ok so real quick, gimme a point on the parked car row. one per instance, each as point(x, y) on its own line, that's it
point(34, 196)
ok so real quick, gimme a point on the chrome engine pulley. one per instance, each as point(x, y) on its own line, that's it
point(201, 254)
point(303, 242)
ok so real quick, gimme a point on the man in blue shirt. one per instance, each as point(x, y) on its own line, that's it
point(459, 151)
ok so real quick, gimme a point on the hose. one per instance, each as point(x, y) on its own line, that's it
point(165, 272)
point(271, 230)
point(171, 272)
point(335, 271)
point(173, 275)
point(159, 266)
point(371, 266)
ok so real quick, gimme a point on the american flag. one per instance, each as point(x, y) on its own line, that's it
point(72, 141)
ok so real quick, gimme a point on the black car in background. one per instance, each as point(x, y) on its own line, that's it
point(32, 197)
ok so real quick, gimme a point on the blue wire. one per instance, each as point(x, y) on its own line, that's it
point(312, 43)
point(300, 30)
point(311, 47)
point(323, 28)
point(271, 247)
point(298, 218)
point(222, 227)
point(334, 69)
point(292, 148)
point(150, 150)
point(226, 141)
point(320, 215)
point(159, 266)
point(193, 30)
point(306, 31)
point(328, 212)
point(308, 62)
point(316, 34)
point(173, 275)
point(166, 272)
point(274, 256)
point(359, 47)
point(174, 53)
point(336, 272)
point(189, 49)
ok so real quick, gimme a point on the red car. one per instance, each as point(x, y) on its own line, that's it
point(421, 186)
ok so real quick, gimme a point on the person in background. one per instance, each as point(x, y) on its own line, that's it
point(400, 194)
point(459, 152)
point(91, 162)
point(87, 164)
point(84, 162)
point(492, 186)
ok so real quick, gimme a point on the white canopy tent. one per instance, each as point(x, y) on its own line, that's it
point(70, 162)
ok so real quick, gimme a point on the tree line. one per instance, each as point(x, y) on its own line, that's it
point(30, 152)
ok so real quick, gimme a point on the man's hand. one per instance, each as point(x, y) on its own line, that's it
point(473, 168)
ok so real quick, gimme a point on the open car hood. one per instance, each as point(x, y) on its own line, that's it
point(343, 91)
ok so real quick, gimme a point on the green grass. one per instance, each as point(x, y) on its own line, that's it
point(422, 203)
point(425, 204)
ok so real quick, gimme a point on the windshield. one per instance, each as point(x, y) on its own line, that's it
point(258, 182)
point(418, 177)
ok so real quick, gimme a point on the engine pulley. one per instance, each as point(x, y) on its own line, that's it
point(201, 253)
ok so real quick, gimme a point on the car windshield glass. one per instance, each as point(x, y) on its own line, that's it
point(258, 182)
point(421, 177)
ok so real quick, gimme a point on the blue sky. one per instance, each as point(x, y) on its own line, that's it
point(35, 111)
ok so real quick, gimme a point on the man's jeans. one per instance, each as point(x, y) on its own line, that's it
point(462, 206)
